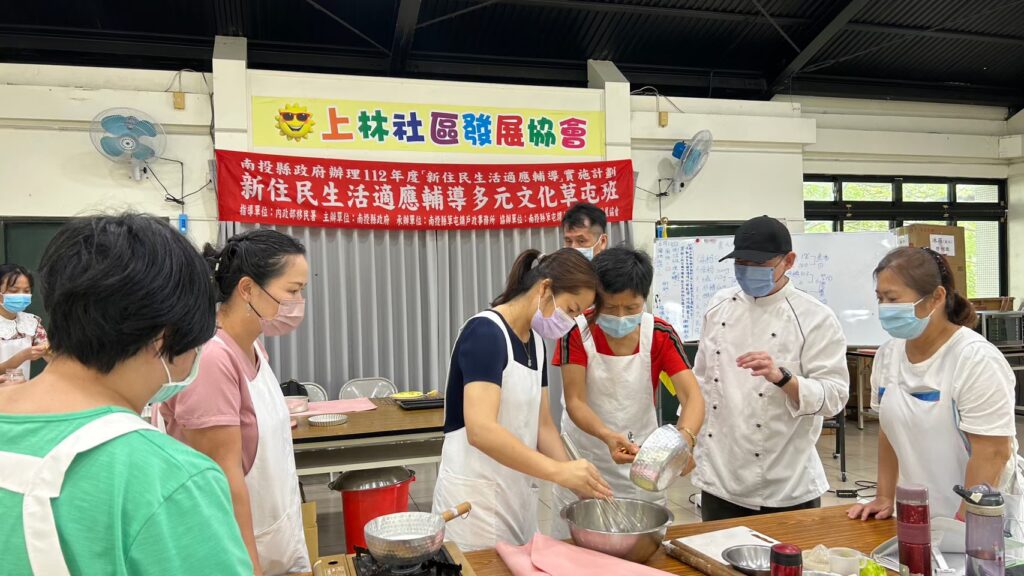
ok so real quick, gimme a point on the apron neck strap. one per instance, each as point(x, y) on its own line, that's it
point(41, 479)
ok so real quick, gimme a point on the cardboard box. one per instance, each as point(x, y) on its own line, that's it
point(311, 531)
point(946, 240)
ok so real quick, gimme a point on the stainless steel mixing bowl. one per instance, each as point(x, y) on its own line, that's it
point(661, 459)
point(749, 559)
point(585, 523)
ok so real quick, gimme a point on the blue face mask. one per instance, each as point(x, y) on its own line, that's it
point(758, 281)
point(17, 302)
point(618, 326)
point(588, 252)
point(901, 321)
point(172, 388)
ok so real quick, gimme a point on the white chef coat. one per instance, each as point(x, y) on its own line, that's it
point(966, 386)
point(756, 448)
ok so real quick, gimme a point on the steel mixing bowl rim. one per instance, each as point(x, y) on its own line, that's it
point(671, 518)
point(743, 568)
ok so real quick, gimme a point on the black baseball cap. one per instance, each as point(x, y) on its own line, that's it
point(761, 239)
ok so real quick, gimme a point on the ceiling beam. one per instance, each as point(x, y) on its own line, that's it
point(186, 48)
point(945, 34)
point(405, 27)
point(663, 11)
point(569, 72)
point(948, 92)
point(230, 17)
point(741, 80)
point(315, 57)
point(827, 33)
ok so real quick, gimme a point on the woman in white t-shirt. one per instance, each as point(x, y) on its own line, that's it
point(944, 394)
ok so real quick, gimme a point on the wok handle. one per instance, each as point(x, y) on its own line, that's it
point(460, 510)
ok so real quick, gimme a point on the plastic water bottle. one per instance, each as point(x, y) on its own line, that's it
point(986, 547)
point(913, 530)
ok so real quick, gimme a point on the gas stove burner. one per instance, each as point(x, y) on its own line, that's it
point(440, 565)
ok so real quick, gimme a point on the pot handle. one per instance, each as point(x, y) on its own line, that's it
point(460, 510)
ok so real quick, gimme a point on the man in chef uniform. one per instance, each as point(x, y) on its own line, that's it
point(771, 366)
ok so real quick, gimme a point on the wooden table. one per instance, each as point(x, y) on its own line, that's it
point(387, 436)
point(805, 528)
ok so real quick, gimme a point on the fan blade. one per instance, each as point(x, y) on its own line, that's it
point(143, 152)
point(114, 125)
point(111, 146)
point(144, 127)
point(134, 132)
point(694, 161)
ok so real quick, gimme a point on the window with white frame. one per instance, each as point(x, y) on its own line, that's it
point(858, 204)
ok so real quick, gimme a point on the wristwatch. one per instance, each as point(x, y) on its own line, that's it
point(786, 377)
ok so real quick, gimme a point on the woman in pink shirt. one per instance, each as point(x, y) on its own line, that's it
point(235, 412)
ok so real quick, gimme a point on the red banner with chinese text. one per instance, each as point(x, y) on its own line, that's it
point(324, 192)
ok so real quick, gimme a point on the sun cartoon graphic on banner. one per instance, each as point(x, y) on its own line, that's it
point(294, 122)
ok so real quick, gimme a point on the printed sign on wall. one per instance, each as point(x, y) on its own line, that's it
point(333, 193)
point(387, 126)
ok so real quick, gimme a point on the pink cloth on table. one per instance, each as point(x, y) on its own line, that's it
point(545, 556)
point(338, 407)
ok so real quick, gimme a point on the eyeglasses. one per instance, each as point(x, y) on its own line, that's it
point(288, 116)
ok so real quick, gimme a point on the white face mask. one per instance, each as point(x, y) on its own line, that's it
point(172, 388)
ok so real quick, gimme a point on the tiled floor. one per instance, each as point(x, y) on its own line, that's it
point(860, 461)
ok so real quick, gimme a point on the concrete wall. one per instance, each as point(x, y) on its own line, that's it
point(755, 166)
point(50, 168)
point(865, 137)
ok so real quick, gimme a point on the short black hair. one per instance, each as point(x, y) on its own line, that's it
point(260, 254)
point(112, 284)
point(584, 215)
point(621, 268)
point(9, 274)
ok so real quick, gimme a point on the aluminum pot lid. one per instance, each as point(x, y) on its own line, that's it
point(370, 479)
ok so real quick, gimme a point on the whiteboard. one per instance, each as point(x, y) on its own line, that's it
point(835, 268)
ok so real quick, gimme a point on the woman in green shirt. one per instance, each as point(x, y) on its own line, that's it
point(87, 487)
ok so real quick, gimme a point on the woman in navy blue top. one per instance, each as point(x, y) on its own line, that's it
point(499, 435)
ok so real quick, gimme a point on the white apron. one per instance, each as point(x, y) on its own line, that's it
point(504, 502)
point(619, 391)
point(40, 480)
point(939, 461)
point(273, 484)
point(272, 480)
point(25, 324)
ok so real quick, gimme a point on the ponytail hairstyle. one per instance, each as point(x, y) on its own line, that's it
point(923, 270)
point(260, 254)
point(568, 270)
